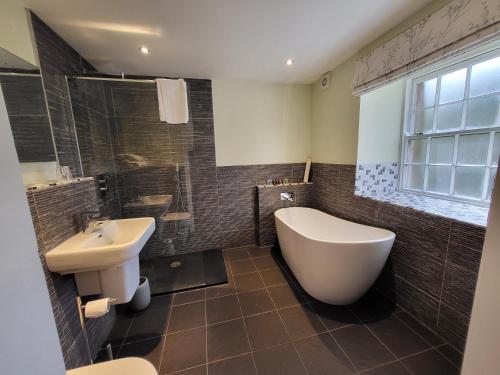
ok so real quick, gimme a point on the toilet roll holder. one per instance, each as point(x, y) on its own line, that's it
point(81, 314)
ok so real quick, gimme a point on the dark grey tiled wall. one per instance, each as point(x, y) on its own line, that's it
point(147, 154)
point(237, 194)
point(58, 60)
point(433, 266)
point(92, 124)
point(28, 118)
point(269, 200)
point(55, 214)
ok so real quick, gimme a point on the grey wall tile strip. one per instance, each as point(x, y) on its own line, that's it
point(55, 212)
point(433, 267)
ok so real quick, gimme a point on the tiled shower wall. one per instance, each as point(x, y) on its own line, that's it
point(55, 213)
point(92, 124)
point(58, 60)
point(434, 263)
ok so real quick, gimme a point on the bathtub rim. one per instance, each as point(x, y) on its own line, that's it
point(391, 235)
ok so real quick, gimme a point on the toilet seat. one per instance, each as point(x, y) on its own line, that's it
point(124, 366)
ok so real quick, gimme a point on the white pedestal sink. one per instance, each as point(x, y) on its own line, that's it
point(105, 260)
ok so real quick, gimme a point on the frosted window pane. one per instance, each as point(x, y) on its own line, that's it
point(442, 150)
point(417, 151)
point(438, 180)
point(485, 77)
point(482, 112)
point(426, 93)
point(423, 121)
point(449, 117)
point(493, 174)
point(469, 181)
point(415, 177)
point(496, 149)
point(453, 86)
point(473, 149)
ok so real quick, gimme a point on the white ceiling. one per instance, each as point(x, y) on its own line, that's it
point(224, 39)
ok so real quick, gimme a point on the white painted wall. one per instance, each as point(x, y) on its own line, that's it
point(381, 114)
point(28, 336)
point(335, 112)
point(261, 123)
point(483, 341)
point(15, 32)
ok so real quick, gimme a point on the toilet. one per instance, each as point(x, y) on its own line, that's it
point(124, 366)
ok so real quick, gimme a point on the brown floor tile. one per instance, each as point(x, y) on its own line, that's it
point(148, 324)
point(429, 363)
point(333, 316)
point(400, 339)
point(161, 302)
point(186, 316)
point(279, 360)
point(189, 296)
point(451, 355)
point(220, 290)
point(370, 307)
point(241, 267)
point(248, 282)
point(184, 350)
point(119, 331)
point(394, 368)
point(226, 340)
point(265, 263)
point(199, 370)
point(301, 321)
point(286, 295)
point(222, 309)
point(257, 252)
point(241, 365)
point(148, 349)
point(255, 302)
point(362, 347)
point(265, 330)
point(236, 254)
point(321, 355)
point(273, 277)
point(424, 332)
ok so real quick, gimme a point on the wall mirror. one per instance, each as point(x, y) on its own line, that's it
point(24, 100)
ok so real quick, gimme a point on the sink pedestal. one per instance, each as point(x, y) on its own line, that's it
point(120, 281)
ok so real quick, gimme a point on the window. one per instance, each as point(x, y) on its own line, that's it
point(451, 142)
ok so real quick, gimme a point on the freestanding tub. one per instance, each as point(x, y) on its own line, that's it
point(335, 261)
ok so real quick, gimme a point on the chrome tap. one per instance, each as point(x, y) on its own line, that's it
point(285, 196)
point(89, 218)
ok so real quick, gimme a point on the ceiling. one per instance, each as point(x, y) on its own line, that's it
point(222, 39)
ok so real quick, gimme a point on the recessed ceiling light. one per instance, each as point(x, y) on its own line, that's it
point(145, 50)
point(289, 62)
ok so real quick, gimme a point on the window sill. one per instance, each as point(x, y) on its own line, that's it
point(467, 213)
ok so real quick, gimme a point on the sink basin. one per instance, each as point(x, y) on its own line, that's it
point(106, 259)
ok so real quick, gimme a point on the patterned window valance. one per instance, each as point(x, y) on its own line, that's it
point(455, 28)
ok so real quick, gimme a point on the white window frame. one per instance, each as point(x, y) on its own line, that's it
point(409, 122)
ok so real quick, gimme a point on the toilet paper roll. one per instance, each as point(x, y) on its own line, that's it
point(97, 308)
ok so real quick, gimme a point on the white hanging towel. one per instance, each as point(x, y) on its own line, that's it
point(172, 100)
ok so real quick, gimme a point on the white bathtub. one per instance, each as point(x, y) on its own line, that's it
point(335, 261)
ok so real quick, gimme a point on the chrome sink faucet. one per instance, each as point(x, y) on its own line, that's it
point(88, 218)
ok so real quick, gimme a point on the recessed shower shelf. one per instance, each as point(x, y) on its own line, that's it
point(284, 185)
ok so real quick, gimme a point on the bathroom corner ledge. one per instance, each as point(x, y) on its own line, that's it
point(467, 213)
point(49, 185)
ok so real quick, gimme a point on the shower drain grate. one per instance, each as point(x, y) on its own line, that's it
point(175, 264)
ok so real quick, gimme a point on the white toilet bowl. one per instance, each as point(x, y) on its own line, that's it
point(124, 366)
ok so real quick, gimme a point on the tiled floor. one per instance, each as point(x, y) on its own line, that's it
point(262, 323)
